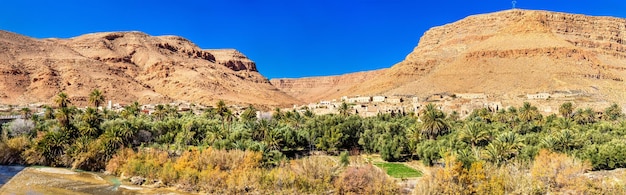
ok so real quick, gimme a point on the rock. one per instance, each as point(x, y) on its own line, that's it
point(137, 180)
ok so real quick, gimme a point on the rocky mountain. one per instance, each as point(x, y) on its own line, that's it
point(127, 67)
point(505, 54)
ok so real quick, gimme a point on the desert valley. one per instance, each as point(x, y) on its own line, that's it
point(511, 102)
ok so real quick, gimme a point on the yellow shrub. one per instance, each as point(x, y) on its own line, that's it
point(554, 171)
point(11, 150)
point(365, 180)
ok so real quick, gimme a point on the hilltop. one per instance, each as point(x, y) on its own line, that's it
point(127, 67)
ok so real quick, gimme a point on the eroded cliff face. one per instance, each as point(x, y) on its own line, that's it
point(517, 52)
point(129, 66)
point(510, 53)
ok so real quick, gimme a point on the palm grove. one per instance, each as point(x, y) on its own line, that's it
point(93, 139)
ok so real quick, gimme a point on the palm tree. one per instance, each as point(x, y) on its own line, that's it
point(96, 98)
point(25, 112)
point(91, 117)
point(62, 100)
point(612, 112)
point(278, 114)
point(584, 116)
point(249, 114)
point(566, 109)
point(474, 133)
point(344, 109)
point(132, 110)
point(159, 112)
point(63, 115)
point(528, 112)
point(222, 109)
point(433, 122)
point(503, 148)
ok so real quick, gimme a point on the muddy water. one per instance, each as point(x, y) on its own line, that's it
point(46, 180)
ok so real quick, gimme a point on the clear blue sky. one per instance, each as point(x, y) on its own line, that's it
point(287, 38)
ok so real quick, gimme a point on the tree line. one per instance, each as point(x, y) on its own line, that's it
point(88, 139)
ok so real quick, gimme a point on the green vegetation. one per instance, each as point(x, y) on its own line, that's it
point(187, 150)
point(399, 170)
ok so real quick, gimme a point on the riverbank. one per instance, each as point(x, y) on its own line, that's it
point(48, 180)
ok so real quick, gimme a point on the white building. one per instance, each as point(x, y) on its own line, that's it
point(379, 99)
point(364, 99)
point(394, 100)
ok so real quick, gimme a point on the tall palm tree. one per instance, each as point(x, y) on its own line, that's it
point(64, 116)
point(62, 100)
point(222, 109)
point(344, 109)
point(96, 98)
point(566, 109)
point(159, 112)
point(433, 122)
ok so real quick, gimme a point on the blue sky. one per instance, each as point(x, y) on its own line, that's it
point(289, 38)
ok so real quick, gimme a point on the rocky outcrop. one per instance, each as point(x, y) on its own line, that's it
point(129, 66)
point(233, 59)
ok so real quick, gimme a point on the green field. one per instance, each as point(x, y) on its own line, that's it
point(398, 170)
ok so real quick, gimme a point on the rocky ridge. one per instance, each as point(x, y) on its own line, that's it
point(507, 54)
point(129, 66)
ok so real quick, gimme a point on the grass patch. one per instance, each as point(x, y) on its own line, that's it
point(399, 170)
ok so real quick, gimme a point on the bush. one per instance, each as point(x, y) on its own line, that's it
point(21, 127)
point(606, 156)
point(365, 179)
point(11, 150)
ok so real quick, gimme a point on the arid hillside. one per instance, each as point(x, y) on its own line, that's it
point(313, 89)
point(129, 66)
point(505, 54)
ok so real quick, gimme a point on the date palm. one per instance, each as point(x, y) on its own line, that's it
point(433, 122)
point(566, 109)
point(64, 116)
point(344, 109)
point(474, 133)
point(159, 112)
point(96, 98)
point(62, 100)
point(528, 112)
point(92, 118)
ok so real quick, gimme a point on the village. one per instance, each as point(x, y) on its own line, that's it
point(367, 106)
point(461, 103)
